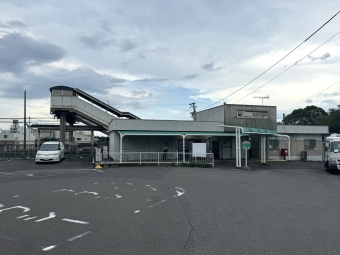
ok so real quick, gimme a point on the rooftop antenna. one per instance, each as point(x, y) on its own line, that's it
point(193, 113)
point(265, 97)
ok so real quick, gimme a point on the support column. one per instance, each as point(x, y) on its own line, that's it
point(62, 128)
point(238, 147)
point(121, 148)
point(92, 138)
point(183, 148)
point(38, 139)
point(70, 140)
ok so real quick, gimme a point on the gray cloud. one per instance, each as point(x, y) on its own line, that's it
point(329, 101)
point(210, 67)
point(13, 24)
point(329, 94)
point(106, 26)
point(83, 78)
point(94, 42)
point(153, 80)
point(323, 57)
point(309, 101)
point(16, 23)
point(19, 52)
point(191, 76)
point(127, 45)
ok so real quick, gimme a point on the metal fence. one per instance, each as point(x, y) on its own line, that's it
point(85, 151)
point(156, 158)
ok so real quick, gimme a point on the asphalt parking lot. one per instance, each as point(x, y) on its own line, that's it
point(70, 208)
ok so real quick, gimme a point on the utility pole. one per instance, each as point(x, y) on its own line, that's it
point(29, 135)
point(193, 113)
point(25, 120)
point(265, 97)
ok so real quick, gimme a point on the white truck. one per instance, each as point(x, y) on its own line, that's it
point(331, 155)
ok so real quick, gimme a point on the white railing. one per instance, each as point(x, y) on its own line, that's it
point(156, 158)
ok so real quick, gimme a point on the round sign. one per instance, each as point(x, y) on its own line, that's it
point(246, 145)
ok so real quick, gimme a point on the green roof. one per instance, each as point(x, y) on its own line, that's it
point(259, 130)
point(186, 133)
point(246, 131)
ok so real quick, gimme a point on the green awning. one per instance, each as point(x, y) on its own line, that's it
point(259, 130)
point(181, 133)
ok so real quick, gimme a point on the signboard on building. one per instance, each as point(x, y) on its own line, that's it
point(251, 115)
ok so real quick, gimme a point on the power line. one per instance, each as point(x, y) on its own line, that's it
point(311, 96)
point(273, 64)
point(296, 62)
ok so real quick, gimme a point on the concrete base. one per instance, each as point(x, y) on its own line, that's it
point(245, 168)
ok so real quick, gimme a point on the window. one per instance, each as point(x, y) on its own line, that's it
point(310, 144)
point(78, 139)
point(5, 136)
point(273, 144)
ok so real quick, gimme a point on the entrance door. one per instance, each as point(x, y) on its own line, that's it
point(226, 150)
point(216, 149)
point(254, 150)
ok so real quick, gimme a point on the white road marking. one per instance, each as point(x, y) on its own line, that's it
point(78, 236)
point(97, 197)
point(65, 161)
point(129, 183)
point(26, 209)
point(49, 248)
point(148, 200)
point(17, 196)
point(136, 211)
point(30, 175)
point(105, 197)
point(150, 187)
point(180, 191)
point(117, 196)
point(70, 190)
point(22, 216)
point(76, 221)
point(50, 216)
point(113, 182)
point(59, 190)
point(31, 218)
point(96, 183)
point(89, 192)
point(116, 187)
point(160, 202)
point(1, 205)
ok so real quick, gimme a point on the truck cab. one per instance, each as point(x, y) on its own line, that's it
point(331, 155)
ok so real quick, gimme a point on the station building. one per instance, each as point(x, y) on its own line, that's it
point(222, 129)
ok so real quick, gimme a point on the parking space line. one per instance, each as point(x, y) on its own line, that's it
point(49, 248)
point(65, 161)
point(75, 221)
point(78, 236)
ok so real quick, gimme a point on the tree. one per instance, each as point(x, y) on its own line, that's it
point(310, 115)
point(332, 120)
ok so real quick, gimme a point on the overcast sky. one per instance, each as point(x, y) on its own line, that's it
point(153, 58)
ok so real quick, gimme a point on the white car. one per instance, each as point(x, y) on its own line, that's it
point(50, 152)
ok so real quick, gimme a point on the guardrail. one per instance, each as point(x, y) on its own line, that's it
point(156, 158)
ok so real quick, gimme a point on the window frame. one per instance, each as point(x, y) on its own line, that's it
point(311, 144)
